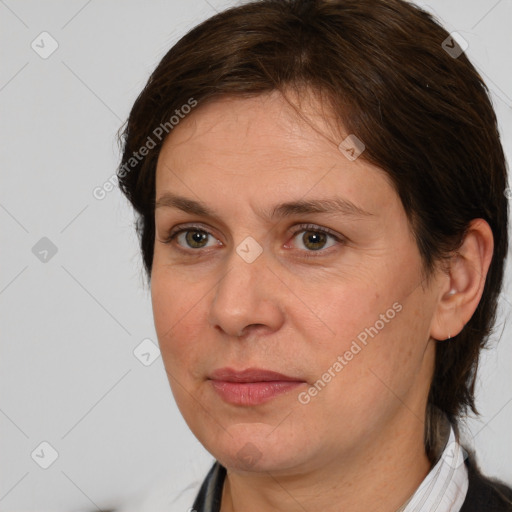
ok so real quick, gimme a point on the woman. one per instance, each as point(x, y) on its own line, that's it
point(320, 189)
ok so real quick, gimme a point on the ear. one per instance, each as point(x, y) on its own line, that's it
point(462, 287)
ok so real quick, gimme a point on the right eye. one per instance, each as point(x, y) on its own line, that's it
point(191, 237)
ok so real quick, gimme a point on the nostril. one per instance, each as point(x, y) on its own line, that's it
point(249, 328)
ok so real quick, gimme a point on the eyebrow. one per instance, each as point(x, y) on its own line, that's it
point(332, 205)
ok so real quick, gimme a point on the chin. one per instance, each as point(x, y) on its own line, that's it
point(257, 447)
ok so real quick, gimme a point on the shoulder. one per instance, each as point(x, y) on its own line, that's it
point(485, 494)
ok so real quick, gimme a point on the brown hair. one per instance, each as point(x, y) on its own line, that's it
point(423, 113)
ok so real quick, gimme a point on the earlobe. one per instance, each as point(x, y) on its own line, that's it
point(463, 284)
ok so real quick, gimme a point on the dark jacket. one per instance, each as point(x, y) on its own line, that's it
point(485, 494)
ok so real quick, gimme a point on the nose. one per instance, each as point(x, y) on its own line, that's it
point(247, 298)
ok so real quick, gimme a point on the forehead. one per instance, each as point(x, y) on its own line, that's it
point(262, 144)
point(266, 124)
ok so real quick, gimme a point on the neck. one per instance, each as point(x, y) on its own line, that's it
point(382, 476)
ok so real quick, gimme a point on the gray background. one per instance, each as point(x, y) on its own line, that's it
point(70, 321)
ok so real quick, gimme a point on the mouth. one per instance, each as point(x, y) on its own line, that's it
point(252, 386)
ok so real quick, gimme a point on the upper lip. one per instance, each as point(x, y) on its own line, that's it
point(250, 375)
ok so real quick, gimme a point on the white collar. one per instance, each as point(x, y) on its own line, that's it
point(444, 489)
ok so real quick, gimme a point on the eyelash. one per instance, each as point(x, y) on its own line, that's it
point(300, 228)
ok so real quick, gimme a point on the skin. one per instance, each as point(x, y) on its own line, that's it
point(357, 444)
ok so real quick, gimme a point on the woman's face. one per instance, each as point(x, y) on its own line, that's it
point(295, 259)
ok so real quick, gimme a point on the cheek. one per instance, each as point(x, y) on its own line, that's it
point(176, 306)
point(346, 311)
point(175, 313)
point(374, 334)
point(383, 359)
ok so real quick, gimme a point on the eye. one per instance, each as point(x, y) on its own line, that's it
point(192, 237)
point(314, 238)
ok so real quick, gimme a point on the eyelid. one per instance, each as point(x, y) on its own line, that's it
point(187, 227)
point(314, 227)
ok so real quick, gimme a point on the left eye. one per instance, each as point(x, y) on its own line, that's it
point(314, 239)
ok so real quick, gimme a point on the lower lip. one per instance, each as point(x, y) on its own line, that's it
point(252, 393)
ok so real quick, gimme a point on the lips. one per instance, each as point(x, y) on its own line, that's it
point(252, 386)
point(251, 375)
